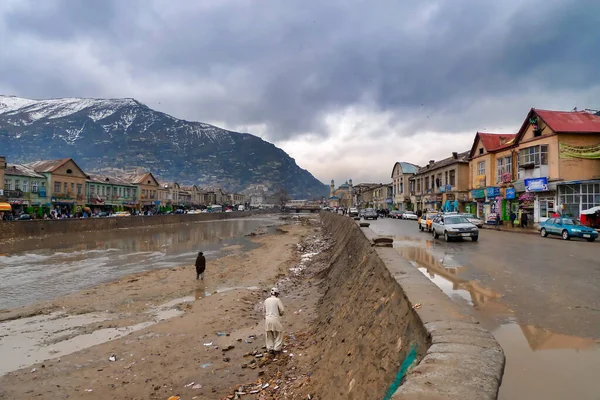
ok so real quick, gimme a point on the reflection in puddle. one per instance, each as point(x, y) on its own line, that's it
point(540, 364)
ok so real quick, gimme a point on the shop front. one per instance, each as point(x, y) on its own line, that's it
point(493, 205)
point(63, 205)
point(477, 207)
point(544, 199)
point(575, 197)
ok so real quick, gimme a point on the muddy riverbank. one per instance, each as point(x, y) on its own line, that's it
point(166, 330)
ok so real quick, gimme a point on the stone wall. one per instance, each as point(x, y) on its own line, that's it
point(376, 343)
point(39, 228)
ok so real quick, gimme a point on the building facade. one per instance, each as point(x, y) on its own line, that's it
point(147, 188)
point(343, 196)
point(65, 183)
point(442, 185)
point(401, 185)
point(104, 193)
point(552, 165)
point(2, 168)
point(25, 190)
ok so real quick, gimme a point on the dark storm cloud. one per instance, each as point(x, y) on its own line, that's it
point(286, 64)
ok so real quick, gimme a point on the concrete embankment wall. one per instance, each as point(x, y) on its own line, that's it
point(376, 342)
point(38, 228)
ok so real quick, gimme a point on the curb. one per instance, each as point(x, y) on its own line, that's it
point(516, 230)
point(464, 360)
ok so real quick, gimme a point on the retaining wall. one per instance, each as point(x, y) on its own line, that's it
point(375, 344)
point(38, 228)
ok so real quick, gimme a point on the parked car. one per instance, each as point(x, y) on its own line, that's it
point(353, 212)
point(395, 214)
point(454, 226)
point(102, 214)
point(24, 217)
point(121, 214)
point(369, 213)
point(409, 215)
point(472, 218)
point(425, 221)
point(567, 228)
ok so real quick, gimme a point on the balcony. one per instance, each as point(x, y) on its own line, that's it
point(16, 194)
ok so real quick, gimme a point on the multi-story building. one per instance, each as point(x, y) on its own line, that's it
point(491, 167)
point(221, 197)
point(550, 166)
point(194, 194)
point(65, 183)
point(442, 185)
point(343, 196)
point(25, 189)
point(378, 197)
point(237, 199)
point(362, 194)
point(401, 184)
point(105, 193)
point(147, 189)
point(2, 168)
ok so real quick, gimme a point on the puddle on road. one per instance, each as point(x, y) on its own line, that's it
point(540, 364)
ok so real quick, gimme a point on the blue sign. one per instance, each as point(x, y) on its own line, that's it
point(511, 193)
point(536, 185)
point(389, 201)
point(448, 188)
point(477, 193)
point(42, 191)
point(492, 192)
point(442, 189)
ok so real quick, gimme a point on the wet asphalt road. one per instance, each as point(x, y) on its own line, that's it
point(539, 296)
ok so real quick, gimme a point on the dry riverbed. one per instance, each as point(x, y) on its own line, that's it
point(163, 333)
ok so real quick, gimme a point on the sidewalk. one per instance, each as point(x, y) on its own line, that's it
point(506, 228)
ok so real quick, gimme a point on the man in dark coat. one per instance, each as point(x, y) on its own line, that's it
point(200, 266)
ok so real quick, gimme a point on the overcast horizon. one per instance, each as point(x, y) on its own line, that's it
point(347, 88)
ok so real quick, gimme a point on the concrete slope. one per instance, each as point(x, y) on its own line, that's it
point(386, 331)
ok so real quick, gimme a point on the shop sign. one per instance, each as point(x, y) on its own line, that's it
point(443, 189)
point(157, 202)
point(42, 191)
point(506, 177)
point(511, 193)
point(492, 192)
point(449, 197)
point(389, 201)
point(536, 185)
point(478, 193)
point(480, 181)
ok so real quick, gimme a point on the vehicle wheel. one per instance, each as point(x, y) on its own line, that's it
point(591, 239)
point(543, 232)
point(435, 235)
point(565, 235)
point(446, 237)
point(474, 238)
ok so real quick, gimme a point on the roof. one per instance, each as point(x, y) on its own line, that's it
point(189, 188)
point(108, 180)
point(461, 158)
point(136, 178)
point(22, 170)
point(493, 142)
point(570, 121)
point(47, 165)
point(408, 168)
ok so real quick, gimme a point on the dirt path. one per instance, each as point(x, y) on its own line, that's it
point(171, 331)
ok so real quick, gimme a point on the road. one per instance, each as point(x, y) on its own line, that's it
point(540, 297)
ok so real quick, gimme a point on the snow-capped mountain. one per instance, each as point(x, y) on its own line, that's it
point(124, 133)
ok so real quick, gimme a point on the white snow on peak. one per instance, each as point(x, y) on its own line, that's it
point(57, 108)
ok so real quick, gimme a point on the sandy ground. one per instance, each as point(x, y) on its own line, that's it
point(170, 334)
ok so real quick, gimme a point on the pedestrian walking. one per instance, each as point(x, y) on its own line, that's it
point(497, 221)
point(524, 220)
point(200, 266)
point(513, 217)
point(273, 327)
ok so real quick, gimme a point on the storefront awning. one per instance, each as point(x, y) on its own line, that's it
point(5, 207)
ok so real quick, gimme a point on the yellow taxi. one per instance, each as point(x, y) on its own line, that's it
point(425, 221)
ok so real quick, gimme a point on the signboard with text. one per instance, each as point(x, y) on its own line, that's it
point(492, 192)
point(536, 184)
point(511, 193)
point(478, 193)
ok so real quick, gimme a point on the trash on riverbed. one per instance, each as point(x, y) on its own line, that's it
point(227, 348)
point(33, 370)
point(174, 398)
point(112, 358)
point(189, 384)
point(208, 344)
point(222, 334)
point(206, 365)
point(88, 390)
point(418, 305)
point(197, 386)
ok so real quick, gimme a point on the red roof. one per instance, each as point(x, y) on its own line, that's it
point(570, 121)
point(496, 141)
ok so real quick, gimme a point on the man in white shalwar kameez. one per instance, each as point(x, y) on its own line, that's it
point(274, 330)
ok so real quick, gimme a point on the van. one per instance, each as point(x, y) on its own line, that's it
point(241, 208)
point(216, 208)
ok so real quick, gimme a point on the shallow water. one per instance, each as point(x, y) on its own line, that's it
point(61, 265)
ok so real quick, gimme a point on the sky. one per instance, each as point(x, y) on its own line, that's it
point(346, 87)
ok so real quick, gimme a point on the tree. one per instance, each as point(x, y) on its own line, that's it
point(281, 196)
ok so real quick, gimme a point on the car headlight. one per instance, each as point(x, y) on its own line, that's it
point(575, 230)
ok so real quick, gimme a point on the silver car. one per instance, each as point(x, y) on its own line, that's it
point(473, 219)
point(454, 227)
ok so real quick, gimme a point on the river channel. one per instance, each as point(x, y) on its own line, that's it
point(42, 269)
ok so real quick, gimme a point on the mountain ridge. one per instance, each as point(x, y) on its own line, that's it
point(127, 134)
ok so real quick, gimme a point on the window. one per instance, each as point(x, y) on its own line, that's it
point(69, 171)
point(128, 193)
point(57, 186)
point(72, 187)
point(120, 192)
point(481, 150)
point(446, 178)
point(35, 186)
point(7, 184)
point(92, 190)
point(452, 178)
point(503, 166)
point(418, 185)
point(481, 168)
point(26, 186)
point(546, 208)
point(115, 192)
point(79, 188)
point(427, 183)
point(17, 184)
point(535, 155)
point(65, 186)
